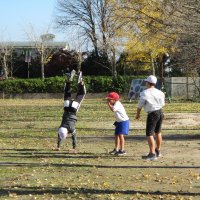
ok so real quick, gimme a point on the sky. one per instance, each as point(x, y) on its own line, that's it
point(17, 16)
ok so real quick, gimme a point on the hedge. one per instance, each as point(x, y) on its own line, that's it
point(94, 84)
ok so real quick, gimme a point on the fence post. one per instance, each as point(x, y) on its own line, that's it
point(187, 89)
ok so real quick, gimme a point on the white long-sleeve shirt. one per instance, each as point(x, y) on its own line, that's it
point(151, 99)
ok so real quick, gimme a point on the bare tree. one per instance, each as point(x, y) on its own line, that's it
point(77, 47)
point(184, 20)
point(42, 43)
point(95, 20)
point(109, 24)
point(79, 14)
point(5, 57)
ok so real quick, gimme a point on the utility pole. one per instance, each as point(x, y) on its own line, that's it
point(28, 60)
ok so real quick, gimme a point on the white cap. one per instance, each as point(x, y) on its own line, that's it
point(62, 133)
point(151, 79)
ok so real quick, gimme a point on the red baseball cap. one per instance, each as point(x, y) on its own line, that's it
point(113, 95)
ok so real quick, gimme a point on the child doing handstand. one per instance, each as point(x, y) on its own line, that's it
point(71, 107)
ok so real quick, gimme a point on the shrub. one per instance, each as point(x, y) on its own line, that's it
point(94, 84)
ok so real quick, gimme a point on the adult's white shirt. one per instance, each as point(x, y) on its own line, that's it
point(151, 99)
point(119, 111)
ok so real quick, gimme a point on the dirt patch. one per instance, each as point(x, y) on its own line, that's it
point(175, 120)
point(182, 119)
point(171, 121)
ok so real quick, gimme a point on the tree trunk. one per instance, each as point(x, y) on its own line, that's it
point(96, 48)
point(152, 63)
point(94, 41)
point(42, 62)
point(5, 68)
point(114, 70)
point(42, 71)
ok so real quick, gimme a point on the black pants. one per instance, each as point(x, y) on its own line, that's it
point(154, 122)
point(70, 126)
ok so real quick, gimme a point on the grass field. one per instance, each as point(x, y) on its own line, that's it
point(30, 169)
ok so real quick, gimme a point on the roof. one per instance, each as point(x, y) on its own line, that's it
point(33, 44)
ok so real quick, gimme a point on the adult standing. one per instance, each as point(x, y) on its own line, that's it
point(152, 100)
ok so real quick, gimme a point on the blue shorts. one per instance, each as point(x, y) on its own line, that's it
point(122, 127)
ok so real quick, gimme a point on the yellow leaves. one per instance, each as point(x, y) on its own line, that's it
point(12, 194)
point(195, 175)
point(143, 30)
point(82, 198)
point(146, 176)
point(174, 180)
point(112, 197)
point(138, 195)
point(48, 59)
point(106, 185)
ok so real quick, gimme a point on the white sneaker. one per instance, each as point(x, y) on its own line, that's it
point(72, 74)
point(80, 78)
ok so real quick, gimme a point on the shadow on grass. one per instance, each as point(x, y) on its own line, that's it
point(132, 136)
point(25, 155)
point(18, 164)
point(85, 191)
point(34, 150)
point(41, 151)
point(31, 153)
point(180, 137)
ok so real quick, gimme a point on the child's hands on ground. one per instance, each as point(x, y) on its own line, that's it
point(56, 149)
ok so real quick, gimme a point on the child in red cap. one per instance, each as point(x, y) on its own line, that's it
point(121, 123)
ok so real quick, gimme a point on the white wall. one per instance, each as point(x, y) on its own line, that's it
point(185, 87)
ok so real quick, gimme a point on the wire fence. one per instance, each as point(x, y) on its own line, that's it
point(173, 87)
point(182, 87)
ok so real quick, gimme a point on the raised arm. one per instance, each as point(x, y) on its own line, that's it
point(110, 105)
